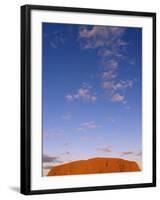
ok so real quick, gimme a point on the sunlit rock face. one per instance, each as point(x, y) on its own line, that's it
point(94, 166)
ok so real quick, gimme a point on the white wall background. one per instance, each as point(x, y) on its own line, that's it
point(10, 99)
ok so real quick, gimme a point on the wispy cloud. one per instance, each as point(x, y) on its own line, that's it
point(127, 107)
point(53, 45)
point(84, 138)
point(56, 133)
point(55, 38)
point(127, 153)
point(131, 153)
point(67, 143)
point(105, 150)
point(83, 93)
point(139, 153)
point(101, 138)
point(47, 166)
point(110, 119)
point(48, 159)
point(67, 153)
point(67, 116)
point(88, 125)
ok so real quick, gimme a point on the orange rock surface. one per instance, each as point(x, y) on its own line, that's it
point(94, 165)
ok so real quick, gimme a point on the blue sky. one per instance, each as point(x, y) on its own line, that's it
point(91, 92)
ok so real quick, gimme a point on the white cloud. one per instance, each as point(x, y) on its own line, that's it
point(117, 97)
point(105, 52)
point(114, 88)
point(83, 93)
point(110, 46)
point(108, 75)
point(111, 64)
point(93, 98)
point(69, 97)
point(108, 84)
point(99, 36)
point(88, 125)
point(121, 85)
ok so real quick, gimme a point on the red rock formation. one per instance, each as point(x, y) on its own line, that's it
point(95, 165)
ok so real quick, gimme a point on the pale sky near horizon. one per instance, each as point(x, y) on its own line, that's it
point(92, 82)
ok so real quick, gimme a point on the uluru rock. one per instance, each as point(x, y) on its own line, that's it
point(94, 165)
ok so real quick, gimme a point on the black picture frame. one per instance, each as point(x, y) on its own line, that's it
point(26, 98)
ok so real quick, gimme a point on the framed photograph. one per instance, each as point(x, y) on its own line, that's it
point(88, 99)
